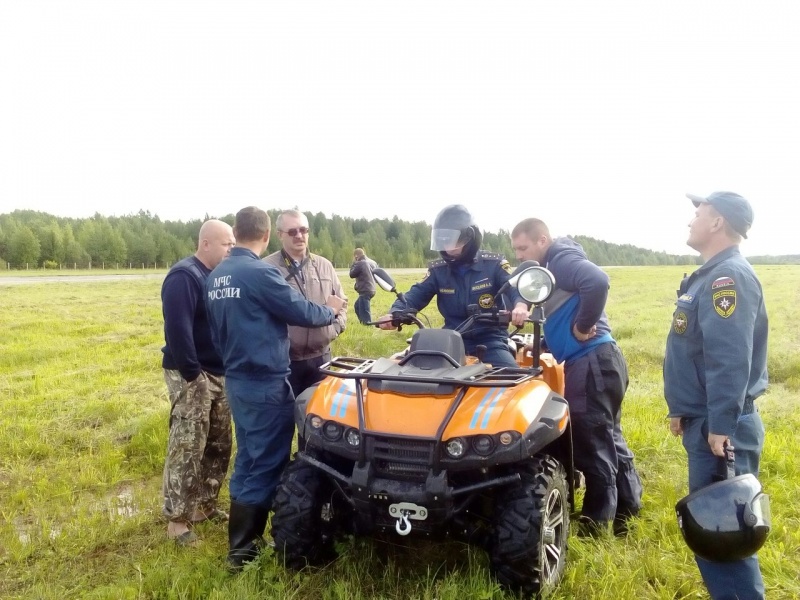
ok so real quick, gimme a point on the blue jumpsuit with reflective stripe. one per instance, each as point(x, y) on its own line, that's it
point(458, 286)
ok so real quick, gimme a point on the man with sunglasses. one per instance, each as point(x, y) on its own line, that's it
point(315, 278)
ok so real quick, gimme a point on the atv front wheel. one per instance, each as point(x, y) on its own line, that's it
point(531, 524)
point(301, 525)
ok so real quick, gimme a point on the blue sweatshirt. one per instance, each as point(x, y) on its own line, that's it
point(579, 298)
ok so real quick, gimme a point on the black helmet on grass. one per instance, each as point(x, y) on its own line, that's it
point(454, 227)
point(725, 521)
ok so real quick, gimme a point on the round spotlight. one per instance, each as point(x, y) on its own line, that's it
point(456, 447)
point(316, 422)
point(353, 438)
point(506, 438)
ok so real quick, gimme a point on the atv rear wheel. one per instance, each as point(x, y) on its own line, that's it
point(531, 524)
point(302, 535)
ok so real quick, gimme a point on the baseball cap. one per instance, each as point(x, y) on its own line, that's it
point(733, 207)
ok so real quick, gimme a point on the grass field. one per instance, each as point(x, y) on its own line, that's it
point(83, 430)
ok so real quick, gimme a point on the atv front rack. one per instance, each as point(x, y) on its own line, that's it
point(476, 375)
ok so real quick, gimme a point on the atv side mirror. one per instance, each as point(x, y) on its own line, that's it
point(535, 284)
point(383, 279)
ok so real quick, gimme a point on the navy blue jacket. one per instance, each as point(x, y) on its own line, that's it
point(456, 287)
point(189, 348)
point(579, 298)
point(716, 357)
point(249, 307)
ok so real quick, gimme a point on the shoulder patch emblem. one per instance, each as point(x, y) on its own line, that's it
point(680, 322)
point(506, 266)
point(721, 282)
point(724, 302)
point(486, 301)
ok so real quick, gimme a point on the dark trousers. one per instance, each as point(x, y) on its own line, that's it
point(741, 578)
point(305, 373)
point(263, 419)
point(595, 386)
point(497, 353)
point(362, 307)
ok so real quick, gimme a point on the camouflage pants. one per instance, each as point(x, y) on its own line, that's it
point(199, 447)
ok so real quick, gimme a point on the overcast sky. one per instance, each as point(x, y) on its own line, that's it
point(596, 117)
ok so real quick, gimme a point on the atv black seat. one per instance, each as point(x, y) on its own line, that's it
point(425, 382)
point(430, 349)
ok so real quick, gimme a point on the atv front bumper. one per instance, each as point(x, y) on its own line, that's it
point(382, 504)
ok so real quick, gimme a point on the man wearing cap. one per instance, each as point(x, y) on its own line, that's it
point(716, 366)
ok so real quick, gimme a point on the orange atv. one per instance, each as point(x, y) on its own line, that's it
point(434, 443)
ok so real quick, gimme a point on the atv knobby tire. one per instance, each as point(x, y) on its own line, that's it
point(529, 539)
point(297, 526)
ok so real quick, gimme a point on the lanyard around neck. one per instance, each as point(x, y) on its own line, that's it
point(296, 270)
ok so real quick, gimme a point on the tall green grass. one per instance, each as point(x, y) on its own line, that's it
point(83, 430)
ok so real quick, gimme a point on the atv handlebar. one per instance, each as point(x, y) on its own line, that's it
point(400, 318)
point(501, 318)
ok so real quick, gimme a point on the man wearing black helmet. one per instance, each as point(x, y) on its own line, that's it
point(715, 367)
point(464, 276)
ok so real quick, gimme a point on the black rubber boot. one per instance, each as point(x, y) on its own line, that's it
point(246, 526)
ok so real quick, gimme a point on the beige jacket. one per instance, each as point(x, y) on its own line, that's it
point(321, 281)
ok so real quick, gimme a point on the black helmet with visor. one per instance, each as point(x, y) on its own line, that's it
point(454, 227)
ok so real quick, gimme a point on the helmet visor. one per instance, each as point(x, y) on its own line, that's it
point(444, 239)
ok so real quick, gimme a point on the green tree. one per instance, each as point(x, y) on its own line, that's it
point(52, 243)
point(23, 248)
point(103, 243)
point(324, 245)
point(343, 245)
point(142, 248)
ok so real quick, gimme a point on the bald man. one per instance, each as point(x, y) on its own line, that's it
point(199, 447)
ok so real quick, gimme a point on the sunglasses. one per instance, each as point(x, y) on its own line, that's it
point(293, 232)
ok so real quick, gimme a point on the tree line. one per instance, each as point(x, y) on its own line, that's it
point(31, 239)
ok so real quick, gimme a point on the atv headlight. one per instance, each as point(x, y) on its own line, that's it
point(483, 444)
point(315, 421)
point(332, 430)
point(535, 284)
point(353, 438)
point(506, 438)
point(456, 447)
